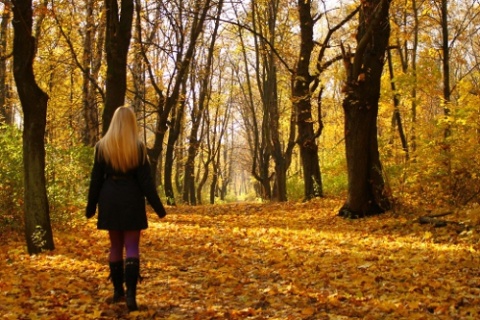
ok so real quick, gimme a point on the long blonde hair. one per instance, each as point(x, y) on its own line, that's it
point(121, 145)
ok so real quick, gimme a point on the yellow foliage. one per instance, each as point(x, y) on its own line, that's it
point(275, 261)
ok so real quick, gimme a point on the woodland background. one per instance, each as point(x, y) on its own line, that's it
point(219, 128)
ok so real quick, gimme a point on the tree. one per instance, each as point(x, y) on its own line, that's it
point(265, 34)
point(304, 84)
point(117, 42)
point(38, 230)
point(5, 107)
point(366, 187)
point(215, 136)
point(396, 118)
point(198, 109)
point(91, 61)
point(301, 97)
point(254, 121)
point(186, 26)
point(445, 61)
point(407, 51)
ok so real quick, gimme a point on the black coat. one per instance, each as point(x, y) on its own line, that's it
point(121, 196)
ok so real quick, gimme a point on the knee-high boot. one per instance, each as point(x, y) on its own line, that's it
point(116, 276)
point(132, 271)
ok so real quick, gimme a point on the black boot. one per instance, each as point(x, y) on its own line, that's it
point(116, 276)
point(132, 271)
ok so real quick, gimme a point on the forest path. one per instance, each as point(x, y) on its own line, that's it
point(253, 261)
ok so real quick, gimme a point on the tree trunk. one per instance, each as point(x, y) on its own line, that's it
point(446, 65)
point(117, 42)
point(301, 97)
point(413, 134)
point(38, 231)
point(396, 118)
point(90, 111)
point(366, 186)
point(203, 176)
point(215, 176)
point(189, 178)
point(227, 172)
point(138, 66)
point(5, 107)
point(174, 133)
point(168, 171)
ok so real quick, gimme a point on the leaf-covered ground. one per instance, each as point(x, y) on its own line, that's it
point(252, 261)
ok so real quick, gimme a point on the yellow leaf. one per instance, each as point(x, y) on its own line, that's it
point(308, 311)
point(427, 235)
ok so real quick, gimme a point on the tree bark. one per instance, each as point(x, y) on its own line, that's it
point(301, 97)
point(174, 133)
point(90, 111)
point(117, 42)
point(413, 134)
point(366, 186)
point(38, 230)
point(445, 65)
point(226, 172)
point(214, 181)
point(5, 107)
point(397, 118)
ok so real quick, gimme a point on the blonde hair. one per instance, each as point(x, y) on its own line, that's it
point(121, 146)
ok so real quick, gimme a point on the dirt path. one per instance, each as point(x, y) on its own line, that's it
point(248, 261)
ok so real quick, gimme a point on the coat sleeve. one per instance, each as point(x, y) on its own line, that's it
point(96, 181)
point(144, 177)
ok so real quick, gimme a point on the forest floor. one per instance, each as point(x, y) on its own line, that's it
point(254, 261)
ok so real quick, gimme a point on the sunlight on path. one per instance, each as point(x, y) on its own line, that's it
point(250, 261)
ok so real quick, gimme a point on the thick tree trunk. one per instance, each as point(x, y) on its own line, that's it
point(117, 42)
point(310, 162)
point(38, 231)
point(366, 187)
point(264, 178)
point(280, 182)
point(301, 97)
point(365, 177)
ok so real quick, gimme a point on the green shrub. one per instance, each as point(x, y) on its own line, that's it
point(11, 177)
point(295, 188)
point(68, 176)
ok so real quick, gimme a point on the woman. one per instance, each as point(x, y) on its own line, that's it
point(120, 181)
